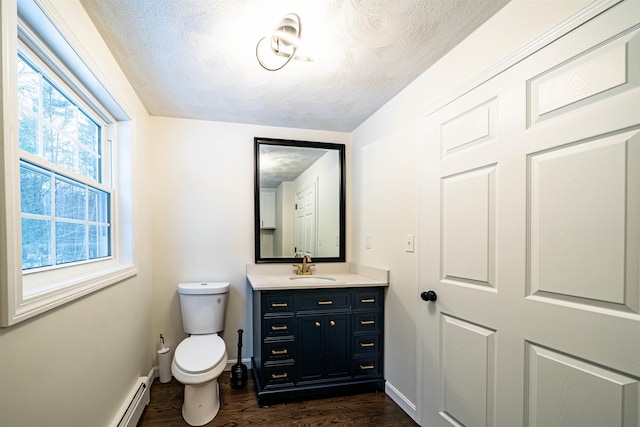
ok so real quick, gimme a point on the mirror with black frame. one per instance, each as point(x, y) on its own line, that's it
point(299, 200)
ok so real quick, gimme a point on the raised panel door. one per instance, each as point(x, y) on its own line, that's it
point(532, 224)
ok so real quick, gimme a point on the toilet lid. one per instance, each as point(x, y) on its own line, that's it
point(199, 353)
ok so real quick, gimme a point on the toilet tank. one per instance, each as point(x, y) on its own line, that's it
point(203, 306)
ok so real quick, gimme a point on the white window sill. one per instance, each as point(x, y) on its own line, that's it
point(63, 293)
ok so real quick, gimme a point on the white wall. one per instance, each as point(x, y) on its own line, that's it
point(384, 166)
point(203, 227)
point(75, 365)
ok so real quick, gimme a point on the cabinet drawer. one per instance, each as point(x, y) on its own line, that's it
point(278, 326)
point(366, 322)
point(277, 303)
point(367, 366)
point(366, 344)
point(278, 351)
point(276, 375)
point(324, 301)
point(367, 299)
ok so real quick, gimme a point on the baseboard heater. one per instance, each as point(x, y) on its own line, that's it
point(134, 405)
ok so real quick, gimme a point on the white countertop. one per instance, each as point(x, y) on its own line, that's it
point(269, 277)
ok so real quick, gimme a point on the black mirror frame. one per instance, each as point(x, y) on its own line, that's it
point(342, 202)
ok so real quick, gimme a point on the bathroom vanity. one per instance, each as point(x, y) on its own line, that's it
point(317, 334)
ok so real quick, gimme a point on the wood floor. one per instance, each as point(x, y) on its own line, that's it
point(240, 408)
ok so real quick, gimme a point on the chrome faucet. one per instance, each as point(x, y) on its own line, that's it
point(305, 267)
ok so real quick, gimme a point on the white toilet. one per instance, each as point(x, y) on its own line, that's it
point(200, 359)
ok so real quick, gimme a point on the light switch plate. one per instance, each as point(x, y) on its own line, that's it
point(408, 243)
point(367, 241)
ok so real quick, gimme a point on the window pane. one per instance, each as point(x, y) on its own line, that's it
point(70, 200)
point(98, 242)
point(98, 206)
point(88, 132)
point(28, 133)
point(28, 87)
point(35, 191)
point(88, 164)
point(58, 149)
point(36, 243)
point(58, 110)
point(92, 205)
point(70, 242)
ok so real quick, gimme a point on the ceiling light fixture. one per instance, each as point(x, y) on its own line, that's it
point(283, 41)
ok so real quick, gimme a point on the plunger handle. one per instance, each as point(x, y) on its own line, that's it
point(240, 331)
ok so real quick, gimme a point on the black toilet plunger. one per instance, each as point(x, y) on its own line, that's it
point(239, 370)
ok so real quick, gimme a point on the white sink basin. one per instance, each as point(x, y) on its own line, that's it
point(312, 279)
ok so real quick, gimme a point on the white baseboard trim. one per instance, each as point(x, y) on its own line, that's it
point(405, 404)
point(151, 375)
point(138, 398)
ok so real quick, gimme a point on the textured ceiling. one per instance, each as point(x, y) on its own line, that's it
point(282, 163)
point(196, 58)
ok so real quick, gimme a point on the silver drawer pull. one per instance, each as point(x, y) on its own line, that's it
point(279, 304)
point(365, 367)
point(279, 352)
point(279, 376)
point(279, 328)
point(367, 344)
point(368, 300)
point(367, 322)
point(325, 302)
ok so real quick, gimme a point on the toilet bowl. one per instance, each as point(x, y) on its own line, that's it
point(200, 359)
point(197, 363)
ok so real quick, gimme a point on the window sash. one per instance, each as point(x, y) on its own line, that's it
point(93, 240)
point(44, 125)
point(93, 223)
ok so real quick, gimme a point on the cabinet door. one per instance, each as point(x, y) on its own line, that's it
point(337, 340)
point(268, 208)
point(310, 347)
point(324, 346)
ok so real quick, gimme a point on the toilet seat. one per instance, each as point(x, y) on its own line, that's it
point(198, 354)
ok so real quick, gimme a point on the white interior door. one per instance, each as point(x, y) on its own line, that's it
point(532, 231)
point(306, 221)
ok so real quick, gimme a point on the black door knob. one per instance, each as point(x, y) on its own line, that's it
point(429, 296)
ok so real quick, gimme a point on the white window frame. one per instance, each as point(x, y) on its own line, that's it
point(60, 285)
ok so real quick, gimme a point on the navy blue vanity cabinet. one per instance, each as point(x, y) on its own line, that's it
point(310, 342)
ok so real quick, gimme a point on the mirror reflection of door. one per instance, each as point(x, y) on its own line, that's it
point(305, 232)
